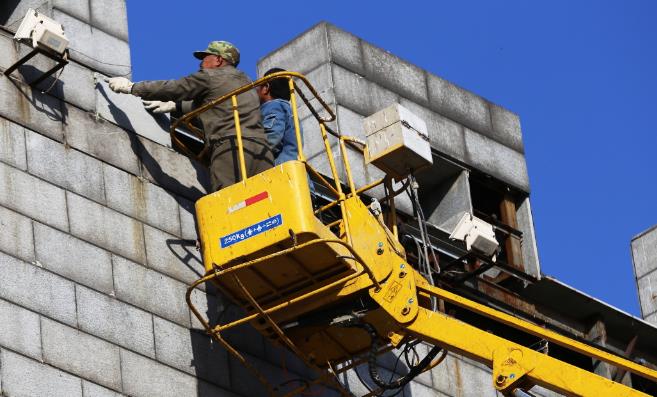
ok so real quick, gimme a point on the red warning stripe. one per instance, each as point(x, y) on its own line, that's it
point(248, 201)
point(256, 198)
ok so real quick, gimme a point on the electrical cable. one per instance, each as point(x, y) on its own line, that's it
point(400, 382)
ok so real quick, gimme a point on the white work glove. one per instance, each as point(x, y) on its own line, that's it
point(159, 106)
point(120, 85)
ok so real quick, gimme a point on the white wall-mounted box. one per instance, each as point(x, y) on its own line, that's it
point(397, 141)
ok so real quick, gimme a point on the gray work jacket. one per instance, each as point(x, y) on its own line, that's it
point(202, 87)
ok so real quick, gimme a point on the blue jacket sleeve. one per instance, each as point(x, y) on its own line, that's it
point(273, 120)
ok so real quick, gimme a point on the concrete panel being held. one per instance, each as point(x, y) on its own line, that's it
point(128, 112)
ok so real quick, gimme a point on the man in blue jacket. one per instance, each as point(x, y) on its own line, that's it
point(278, 121)
point(277, 118)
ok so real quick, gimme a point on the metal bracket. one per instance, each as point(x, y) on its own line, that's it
point(509, 367)
point(61, 62)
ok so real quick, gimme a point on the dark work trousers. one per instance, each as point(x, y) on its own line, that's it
point(225, 163)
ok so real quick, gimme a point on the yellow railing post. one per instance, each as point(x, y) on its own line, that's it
point(238, 130)
point(295, 117)
point(347, 166)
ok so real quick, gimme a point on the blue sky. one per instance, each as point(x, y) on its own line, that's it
point(582, 75)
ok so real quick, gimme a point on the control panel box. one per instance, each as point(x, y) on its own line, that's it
point(397, 141)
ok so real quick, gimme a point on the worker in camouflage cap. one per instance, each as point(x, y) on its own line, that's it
point(223, 49)
point(217, 77)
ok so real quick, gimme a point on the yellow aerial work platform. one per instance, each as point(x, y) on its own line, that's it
point(266, 247)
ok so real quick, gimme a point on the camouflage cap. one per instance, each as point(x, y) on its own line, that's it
point(224, 49)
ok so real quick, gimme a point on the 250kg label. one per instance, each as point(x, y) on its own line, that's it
point(251, 231)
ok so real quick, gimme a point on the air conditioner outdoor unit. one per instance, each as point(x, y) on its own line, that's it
point(477, 234)
point(39, 31)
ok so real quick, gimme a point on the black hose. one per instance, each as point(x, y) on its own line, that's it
point(372, 365)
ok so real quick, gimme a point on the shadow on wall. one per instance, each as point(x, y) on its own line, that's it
point(41, 102)
point(149, 162)
point(209, 361)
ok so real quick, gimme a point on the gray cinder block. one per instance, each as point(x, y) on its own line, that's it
point(110, 16)
point(529, 249)
point(187, 219)
point(12, 150)
point(395, 74)
point(77, 8)
point(644, 252)
point(172, 170)
point(456, 377)
point(77, 86)
point(445, 135)
point(141, 199)
point(652, 319)
point(150, 291)
point(55, 297)
point(173, 256)
point(101, 139)
point(8, 50)
point(22, 376)
point(20, 330)
point(647, 286)
point(16, 237)
point(28, 107)
point(243, 380)
point(144, 378)
point(496, 159)
point(90, 389)
point(359, 94)
point(74, 170)
point(93, 47)
point(459, 105)
point(105, 227)
point(115, 321)
point(191, 351)
point(312, 44)
point(81, 354)
point(345, 50)
point(506, 128)
point(73, 258)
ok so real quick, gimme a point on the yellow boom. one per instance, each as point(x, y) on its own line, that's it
point(267, 249)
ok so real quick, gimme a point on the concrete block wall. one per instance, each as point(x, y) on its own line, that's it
point(358, 79)
point(97, 243)
point(98, 234)
point(362, 79)
point(644, 256)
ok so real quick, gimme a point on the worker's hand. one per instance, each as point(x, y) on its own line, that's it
point(159, 106)
point(120, 85)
